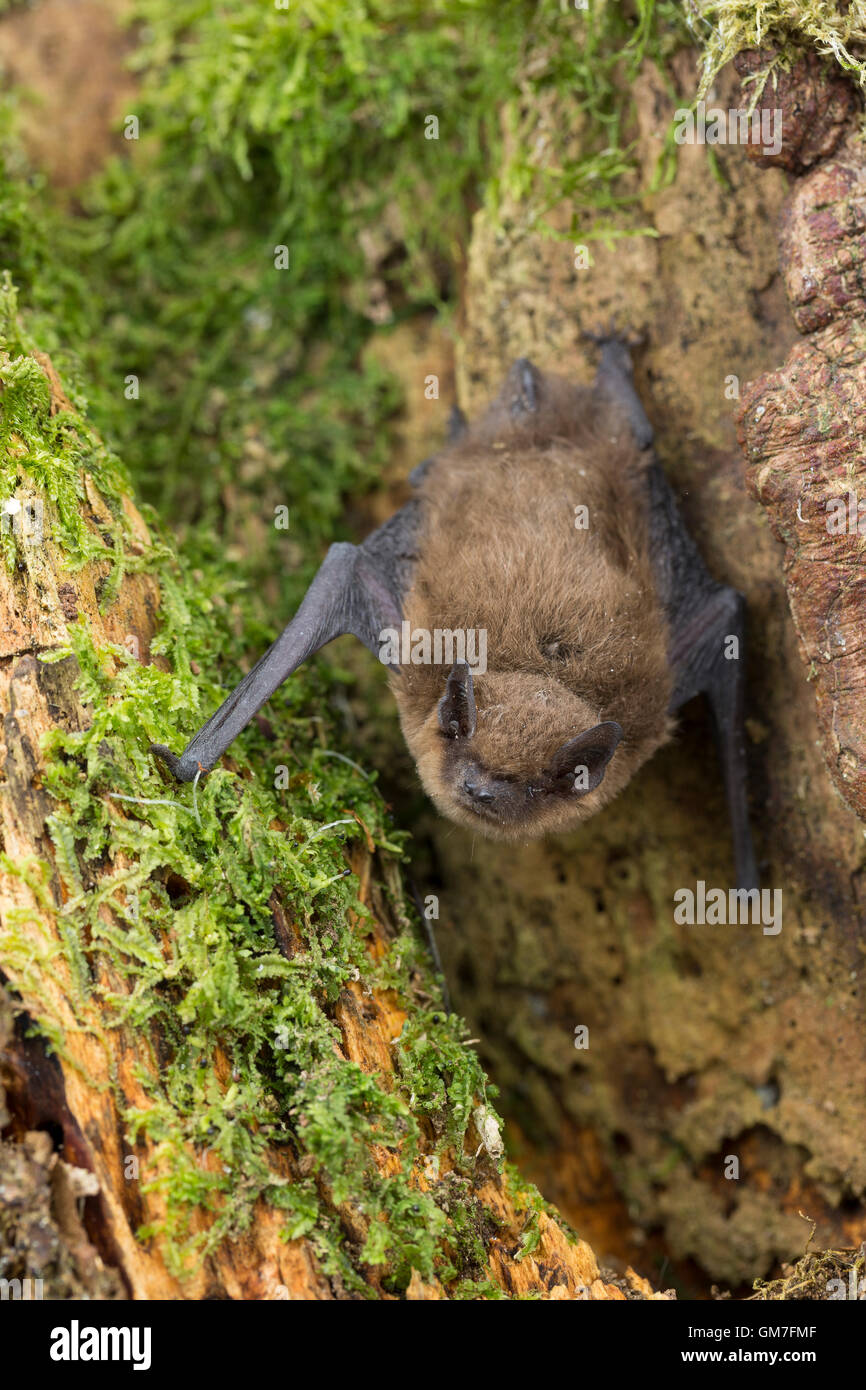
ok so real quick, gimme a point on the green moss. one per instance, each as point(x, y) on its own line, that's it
point(166, 271)
point(440, 1072)
point(476, 1289)
point(57, 449)
point(528, 1199)
point(187, 951)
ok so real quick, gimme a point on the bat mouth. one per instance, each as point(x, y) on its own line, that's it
point(479, 800)
point(484, 813)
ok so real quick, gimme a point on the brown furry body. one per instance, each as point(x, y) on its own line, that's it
point(576, 632)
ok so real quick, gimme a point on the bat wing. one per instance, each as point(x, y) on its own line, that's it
point(708, 655)
point(357, 589)
point(703, 617)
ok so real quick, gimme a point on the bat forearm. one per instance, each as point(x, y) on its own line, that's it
point(321, 617)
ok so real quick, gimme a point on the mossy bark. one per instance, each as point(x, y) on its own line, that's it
point(705, 1043)
point(75, 1119)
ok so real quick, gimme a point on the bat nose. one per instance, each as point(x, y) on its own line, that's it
point(476, 791)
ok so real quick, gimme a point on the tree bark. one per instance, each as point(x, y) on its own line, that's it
point(707, 1043)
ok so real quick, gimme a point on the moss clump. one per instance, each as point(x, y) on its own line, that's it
point(726, 27)
point(56, 460)
point(823, 1276)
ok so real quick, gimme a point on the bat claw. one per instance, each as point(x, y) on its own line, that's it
point(626, 339)
point(183, 768)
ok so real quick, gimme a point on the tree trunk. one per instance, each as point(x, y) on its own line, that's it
point(707, 1044)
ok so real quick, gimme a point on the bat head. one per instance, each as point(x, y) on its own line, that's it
point(514, 756)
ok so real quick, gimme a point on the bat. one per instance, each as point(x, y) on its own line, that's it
point(542, 610)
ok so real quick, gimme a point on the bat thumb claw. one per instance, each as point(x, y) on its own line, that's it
point(182, 768)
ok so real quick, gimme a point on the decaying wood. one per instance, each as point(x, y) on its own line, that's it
point(83, 1096)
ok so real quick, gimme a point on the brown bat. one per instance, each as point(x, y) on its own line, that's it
point(548, 535)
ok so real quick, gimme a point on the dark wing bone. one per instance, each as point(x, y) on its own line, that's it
point(702, 615)
point(357, 589)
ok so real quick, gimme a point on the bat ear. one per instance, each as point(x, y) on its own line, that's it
point(579, 765)
point(457, 706)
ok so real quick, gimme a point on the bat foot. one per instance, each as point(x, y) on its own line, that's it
point(625, 339)
point(183, 768)
point(615, 376)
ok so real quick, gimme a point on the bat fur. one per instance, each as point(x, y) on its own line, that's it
point(576, 633)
